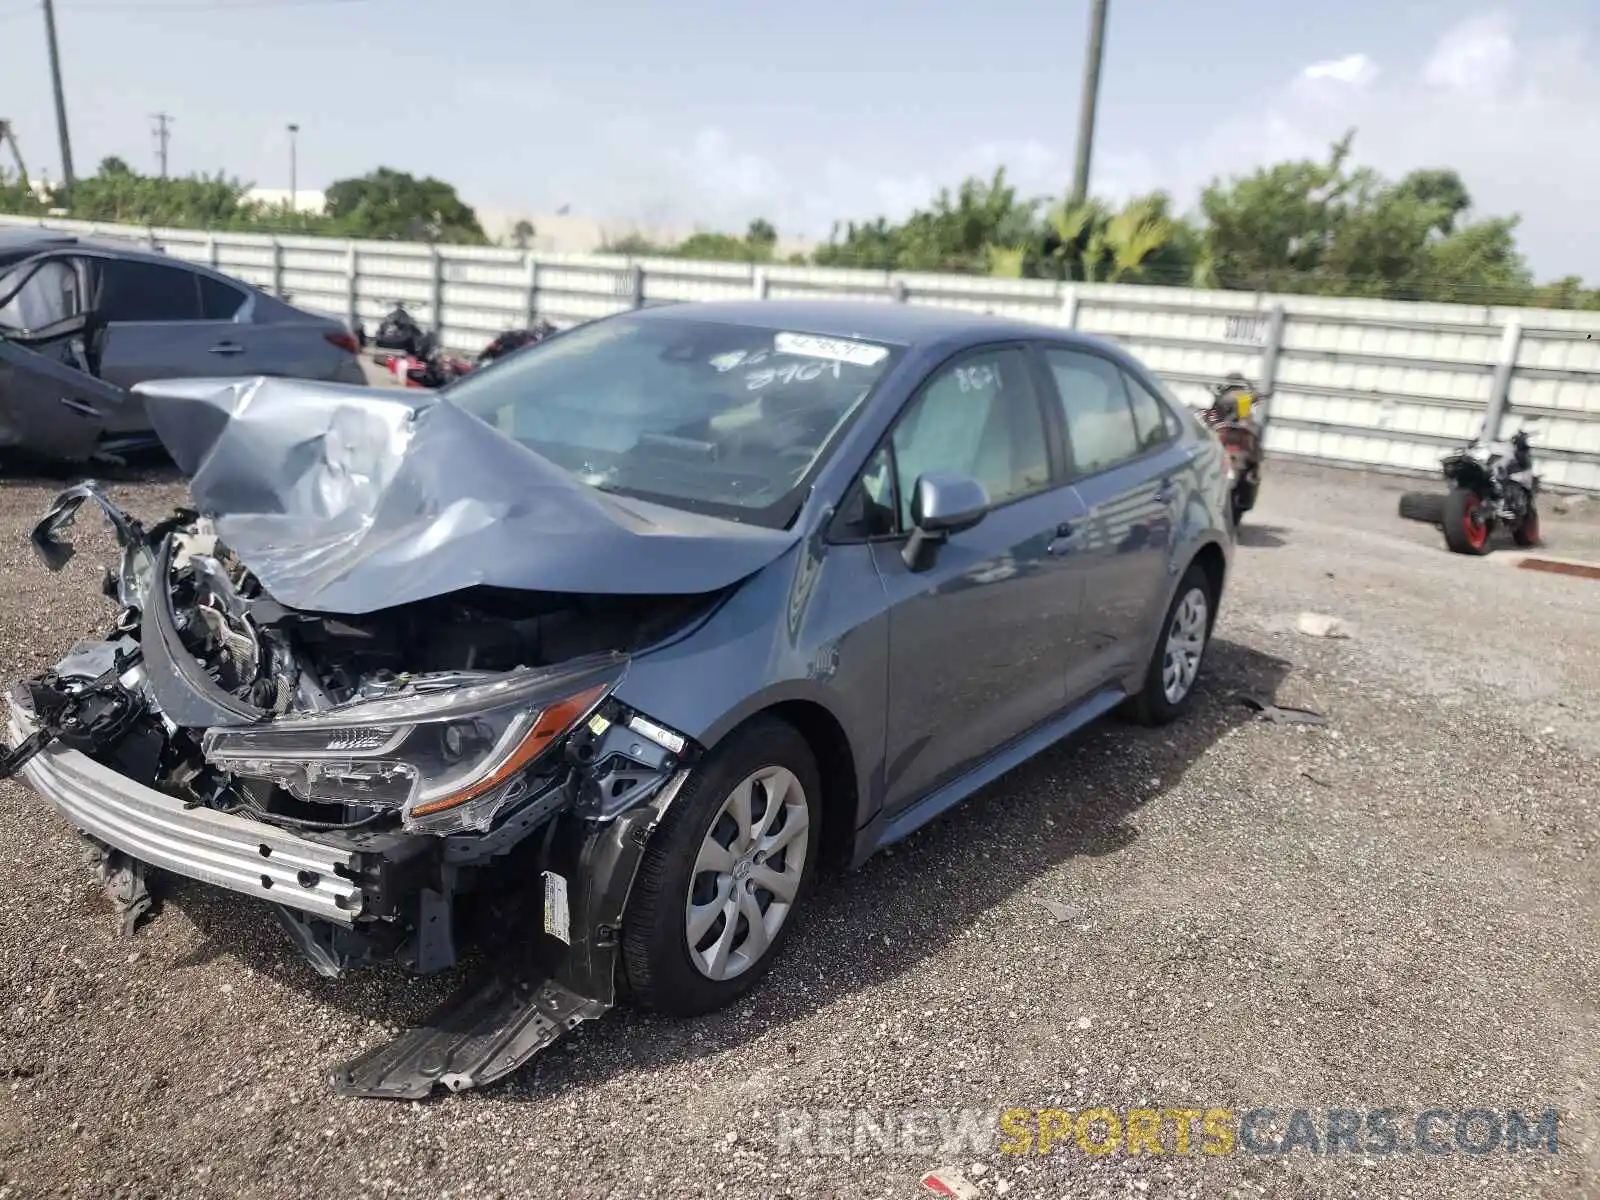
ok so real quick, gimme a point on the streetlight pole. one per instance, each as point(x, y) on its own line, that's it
point(294, 183)
point(1091, 96)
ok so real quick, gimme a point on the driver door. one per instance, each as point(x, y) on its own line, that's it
point(978, 640)
point(50, 402)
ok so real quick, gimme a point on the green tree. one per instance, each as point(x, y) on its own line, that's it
point(955, 233)
point(391, 204)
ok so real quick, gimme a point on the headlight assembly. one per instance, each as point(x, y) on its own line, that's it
point(448, 758)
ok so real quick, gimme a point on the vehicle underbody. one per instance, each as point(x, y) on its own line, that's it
point(178, 741)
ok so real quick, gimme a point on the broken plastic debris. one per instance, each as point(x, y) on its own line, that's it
point(1321, 625)
point(1280, 714)
point(947, 1181)
point(1061, 912)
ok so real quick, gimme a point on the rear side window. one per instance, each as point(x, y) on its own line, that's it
point(1152, 420)
point(1094, 403)
point(218, 301)
point(139, 291)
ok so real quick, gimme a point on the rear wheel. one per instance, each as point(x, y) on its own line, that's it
point(1526, 532)
point(1466, 527)
point(1180, 650)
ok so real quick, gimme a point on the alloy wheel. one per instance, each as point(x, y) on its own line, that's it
point(1186, 643)
point(747, 873)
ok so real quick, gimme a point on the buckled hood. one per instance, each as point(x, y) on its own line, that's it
point(347, 499)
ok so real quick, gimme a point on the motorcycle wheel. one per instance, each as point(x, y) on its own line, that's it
point(1427, 507)
point(1526, 533)
point(1466, 531)
point(1241, 501)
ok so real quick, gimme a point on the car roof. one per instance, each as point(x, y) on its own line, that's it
point(903, 324)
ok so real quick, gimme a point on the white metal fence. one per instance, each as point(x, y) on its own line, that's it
point(1359, 383)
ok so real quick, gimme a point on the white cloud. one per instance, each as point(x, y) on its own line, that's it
point(1477, 57)
point(1353, 70)
point(1514, 117)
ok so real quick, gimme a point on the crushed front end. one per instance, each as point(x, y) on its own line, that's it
point(370, 777)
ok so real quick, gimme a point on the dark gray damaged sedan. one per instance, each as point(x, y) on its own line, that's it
point(633, 628)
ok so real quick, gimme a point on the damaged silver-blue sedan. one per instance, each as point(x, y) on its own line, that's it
point(635, 628)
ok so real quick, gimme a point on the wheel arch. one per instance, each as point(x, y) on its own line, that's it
point(838, 764)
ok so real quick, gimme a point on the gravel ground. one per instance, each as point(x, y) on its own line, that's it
point(1396, 910)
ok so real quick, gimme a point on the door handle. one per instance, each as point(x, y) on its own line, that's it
point(227, 348)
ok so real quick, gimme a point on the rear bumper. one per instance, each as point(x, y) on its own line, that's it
point(226, 851)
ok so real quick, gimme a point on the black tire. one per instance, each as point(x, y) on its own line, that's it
point(1526, 532)
point(1462, 533)
point(660, 973)
point(1427, 507)
point(1240, 501)
point(1151, 705)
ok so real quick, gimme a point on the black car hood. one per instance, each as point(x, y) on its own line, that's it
point(348, 499)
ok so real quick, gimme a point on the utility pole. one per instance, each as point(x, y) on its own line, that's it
point(1091, 96)
point(294, 183)
point(162, 133)
point(67, 176)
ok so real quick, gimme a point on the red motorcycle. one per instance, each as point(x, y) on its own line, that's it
point(424, 364)
point(1234, 416)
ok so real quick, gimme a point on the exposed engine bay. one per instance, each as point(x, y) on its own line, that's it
point(454, 747)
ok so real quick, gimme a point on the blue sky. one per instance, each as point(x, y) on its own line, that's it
point(716, 111)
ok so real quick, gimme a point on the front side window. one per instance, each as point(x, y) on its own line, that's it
point(713, 417)
point(977, 417)
point(1094, 403)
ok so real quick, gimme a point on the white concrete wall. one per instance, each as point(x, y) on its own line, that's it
point(1359, 383)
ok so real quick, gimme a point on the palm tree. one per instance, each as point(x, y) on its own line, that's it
point(1140, 230)
point(1006, 262)
point(1079, 234)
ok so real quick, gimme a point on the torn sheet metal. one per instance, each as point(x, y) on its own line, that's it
point(344, 499)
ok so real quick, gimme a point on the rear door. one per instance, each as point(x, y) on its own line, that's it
point(155, 326)
point(1125, 455)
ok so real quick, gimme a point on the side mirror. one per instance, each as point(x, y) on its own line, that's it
point(941, 504)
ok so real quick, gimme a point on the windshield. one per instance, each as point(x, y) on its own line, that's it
point(717, 418)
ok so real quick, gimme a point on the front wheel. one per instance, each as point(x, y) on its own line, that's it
point(1466, 527)
point(1526, 532)
point(1180, 650)
point(725, 873)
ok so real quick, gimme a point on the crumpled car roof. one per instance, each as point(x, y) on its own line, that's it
point(348, 499)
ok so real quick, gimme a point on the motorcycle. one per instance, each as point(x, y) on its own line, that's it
point(514, 339)
point(400, 332)
point(423, 363)
point(1492, 486)
point(1233, 414)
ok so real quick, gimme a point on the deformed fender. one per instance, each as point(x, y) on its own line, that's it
point(491, 1028)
